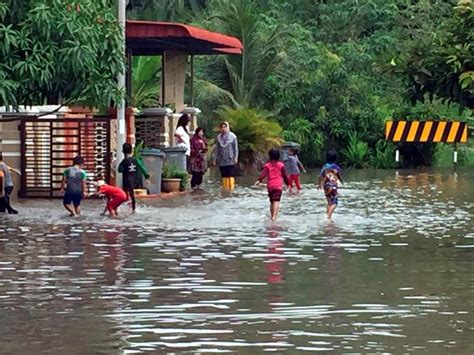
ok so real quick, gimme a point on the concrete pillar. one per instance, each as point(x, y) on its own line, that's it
point(153, 127)
point(174, 79)
point(172, 123)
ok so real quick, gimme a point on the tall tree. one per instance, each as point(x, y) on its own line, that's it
point(56, 51)
point(440, 61)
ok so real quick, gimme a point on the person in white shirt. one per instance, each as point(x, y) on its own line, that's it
point(182, 135)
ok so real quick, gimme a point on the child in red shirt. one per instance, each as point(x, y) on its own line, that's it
point(115, 196)
point(274, 171)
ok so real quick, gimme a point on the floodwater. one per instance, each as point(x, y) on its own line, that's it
point(208, 273)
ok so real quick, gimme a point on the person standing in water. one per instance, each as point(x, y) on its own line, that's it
point(294, 167)
point(129, 168)
point(7, 185)
point(74, 186)
point(274, 171)
point(329, 179)
point(198, 161)
point(182, 136)
point(226, 155)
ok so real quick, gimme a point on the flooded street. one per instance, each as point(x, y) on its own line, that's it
point(209, 273)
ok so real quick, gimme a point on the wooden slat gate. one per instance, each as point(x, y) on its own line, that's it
point(49, 145)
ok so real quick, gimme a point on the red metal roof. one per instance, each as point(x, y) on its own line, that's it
point(148, 38)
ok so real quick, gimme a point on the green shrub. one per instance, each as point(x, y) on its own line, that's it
point(466, 155)
point(311, 140)
point(171, 171)
point(356, 153)
point(384, 157)
point(443, 156)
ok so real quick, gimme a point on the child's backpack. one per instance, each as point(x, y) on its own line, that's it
point(330, 173)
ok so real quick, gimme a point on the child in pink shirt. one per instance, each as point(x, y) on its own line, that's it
point(274, 171)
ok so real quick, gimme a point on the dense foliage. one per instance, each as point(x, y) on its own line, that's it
point(440, 61)
point(332, 72)
point(56, 51)
point(329, 73)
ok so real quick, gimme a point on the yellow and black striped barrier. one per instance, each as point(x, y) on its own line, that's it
point(426, 131)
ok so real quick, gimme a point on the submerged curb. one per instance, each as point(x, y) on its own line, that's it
point(162, 195)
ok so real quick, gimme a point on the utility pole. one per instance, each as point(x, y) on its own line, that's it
point(121, 128)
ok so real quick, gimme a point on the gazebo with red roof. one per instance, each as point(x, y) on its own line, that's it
point(174, 42)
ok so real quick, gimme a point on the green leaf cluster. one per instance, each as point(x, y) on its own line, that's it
point(439, 57)
point(172, 171)
point(146, 79)
point(56, 51)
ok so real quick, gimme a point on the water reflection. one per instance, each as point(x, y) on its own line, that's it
point(275, 262)
point(332, 252)
point(209, 273)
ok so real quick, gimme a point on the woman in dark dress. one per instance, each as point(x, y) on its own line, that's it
point(198, 159)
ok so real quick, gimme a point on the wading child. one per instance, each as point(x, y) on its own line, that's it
point(274, 171)
point(115, 197)
point(6, 186)
point(74, 186)
point(294, 168)
point(329, 179)
point(128, 167)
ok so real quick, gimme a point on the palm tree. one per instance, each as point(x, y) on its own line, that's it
point(146, 81)
point(244, 76)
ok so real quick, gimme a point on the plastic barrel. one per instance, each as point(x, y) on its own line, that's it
point(153, 162)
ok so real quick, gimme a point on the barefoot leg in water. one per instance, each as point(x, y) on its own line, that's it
point(330, 210)
point(274, 207)
point(70, 209)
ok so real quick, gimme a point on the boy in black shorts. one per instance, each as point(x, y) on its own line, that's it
point(129, 169)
